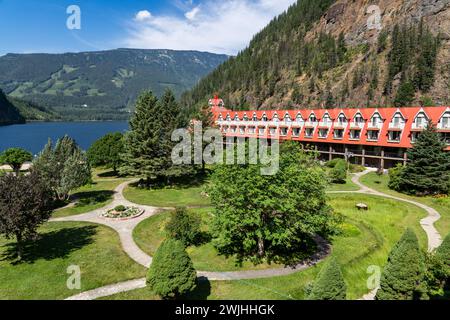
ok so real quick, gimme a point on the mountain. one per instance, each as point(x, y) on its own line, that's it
point(335, 53)
point(101, 85)
point(9, 114)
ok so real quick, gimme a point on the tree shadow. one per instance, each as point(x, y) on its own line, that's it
point(202, 238)
point(51, 245)
point(108, 174)
point(92, 197)
point(201, 292)
point(182, 182)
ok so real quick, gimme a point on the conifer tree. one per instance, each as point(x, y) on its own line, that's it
point(428, 170)
point(405, 94)
point(171, 273)
point(330, 284)
point(403, 275)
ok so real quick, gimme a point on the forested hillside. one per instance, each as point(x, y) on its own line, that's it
point(325, 53)
point(101, 85)
point(8, 112)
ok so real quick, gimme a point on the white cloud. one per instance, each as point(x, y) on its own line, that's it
point(221, 26)
point(191, 15)
point(143, 15)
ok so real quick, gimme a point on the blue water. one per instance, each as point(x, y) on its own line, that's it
point(34, 136)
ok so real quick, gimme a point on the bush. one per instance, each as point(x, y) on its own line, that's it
point(172, 273)
point(403, 275)
point(184, 226)
point(395, 177)
point(338, 174)
point(332, 163)
point(330, 284)
point(120, 208)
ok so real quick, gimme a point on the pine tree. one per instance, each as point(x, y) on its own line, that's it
point(428, 170)
point(403, 275)
point(171, 273)
point(330, 284)
point(405, 95)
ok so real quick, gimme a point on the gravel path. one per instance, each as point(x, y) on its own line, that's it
point(125, 230)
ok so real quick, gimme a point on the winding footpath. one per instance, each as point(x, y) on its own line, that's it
point(125, 230)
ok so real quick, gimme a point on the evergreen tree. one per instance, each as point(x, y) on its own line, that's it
point(428, 169)
point(405, 95)
point(330, 284)
point(171, 273)
point(184, 226)
point(403, 275)
point(338, 173)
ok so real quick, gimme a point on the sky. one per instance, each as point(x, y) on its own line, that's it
point(54, 26)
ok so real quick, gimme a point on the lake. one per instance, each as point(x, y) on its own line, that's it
point(33, 136)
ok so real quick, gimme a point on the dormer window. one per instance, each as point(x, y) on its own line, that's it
point(220, 119)
point(264, 118)
point(326, 119)
point(342, 119)
point(228, 117)
point(376, 120)
point(312, 118)
point(299, 118)
point(275, 118)
point(236, 118)
point(397, 121)
point(358, 119)
point(245, 118)
point(254, 118)
point(445, 120)
point(287, 118)
point(421, 120)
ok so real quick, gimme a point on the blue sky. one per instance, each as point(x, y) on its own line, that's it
point(221, 26)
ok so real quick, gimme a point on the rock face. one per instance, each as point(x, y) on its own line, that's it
point(362, 22)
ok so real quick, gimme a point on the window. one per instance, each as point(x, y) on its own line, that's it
point(242, 130)
point(394, 136)
point(245, 117)
point(251, 130)
point(342, 120)
point(359, 119)
point(287, 118)
point(309, 132)
point(233, 129)
point(414, 136)
point(299, 118)
point(312, 118)
point(236, 118)
point(355, 134)
point(376, 120)
point(272, 131)
point(421, 120)
point(323, 133)
point(284, 131)
point(275, 118)
point(446, 137)
point(373, 135)
point(228, 117)
point(326, 119)
point(264, 118)
point(261, 131)
point(254, 118)
point(445, 121)
point(296, 132)
point(338, 134)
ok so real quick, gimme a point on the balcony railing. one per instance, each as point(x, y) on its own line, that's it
point(399, 125)
point(325, 124)
point(418, 126)
point(372, 125)
point(442, 126)
point(311, 123)
point(340, 124)
point(357, 125)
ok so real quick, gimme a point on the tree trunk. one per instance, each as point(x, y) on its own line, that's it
point(19, 246)
point(16, 170)
point(261, 247)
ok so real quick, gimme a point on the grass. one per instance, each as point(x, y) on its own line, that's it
point(91, 197)
point(347, 186)
point(442, 205)
point(43, 272)
point(149, 234)
point(366, 240)
point(182, 196)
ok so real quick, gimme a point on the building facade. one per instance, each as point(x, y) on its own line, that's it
point(375, 137)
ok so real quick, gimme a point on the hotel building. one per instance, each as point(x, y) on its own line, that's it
point(375, 137)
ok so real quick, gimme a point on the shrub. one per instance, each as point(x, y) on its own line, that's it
point(172, 273)
point(332, 163)
point(403, 275)
point(330, 284)
point(395, 177)
point(184, 226)
point(120, 208)
point(338, 174)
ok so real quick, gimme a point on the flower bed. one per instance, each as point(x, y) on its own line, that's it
point(123, 213)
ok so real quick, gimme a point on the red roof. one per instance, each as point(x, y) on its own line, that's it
point(387, 114)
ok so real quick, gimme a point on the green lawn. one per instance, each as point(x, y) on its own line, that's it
point(91, 197)
point(347, 186)
point(442, 205)
point(43, 273)
point(366, 240)
point(189, 197)
point(150, 233)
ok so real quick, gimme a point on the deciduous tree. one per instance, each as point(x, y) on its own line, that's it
point(107, 151)
point(15, 158)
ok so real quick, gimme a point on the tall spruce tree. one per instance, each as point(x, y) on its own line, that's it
point(403, 275)
point(428, 170)
point(330, 284)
